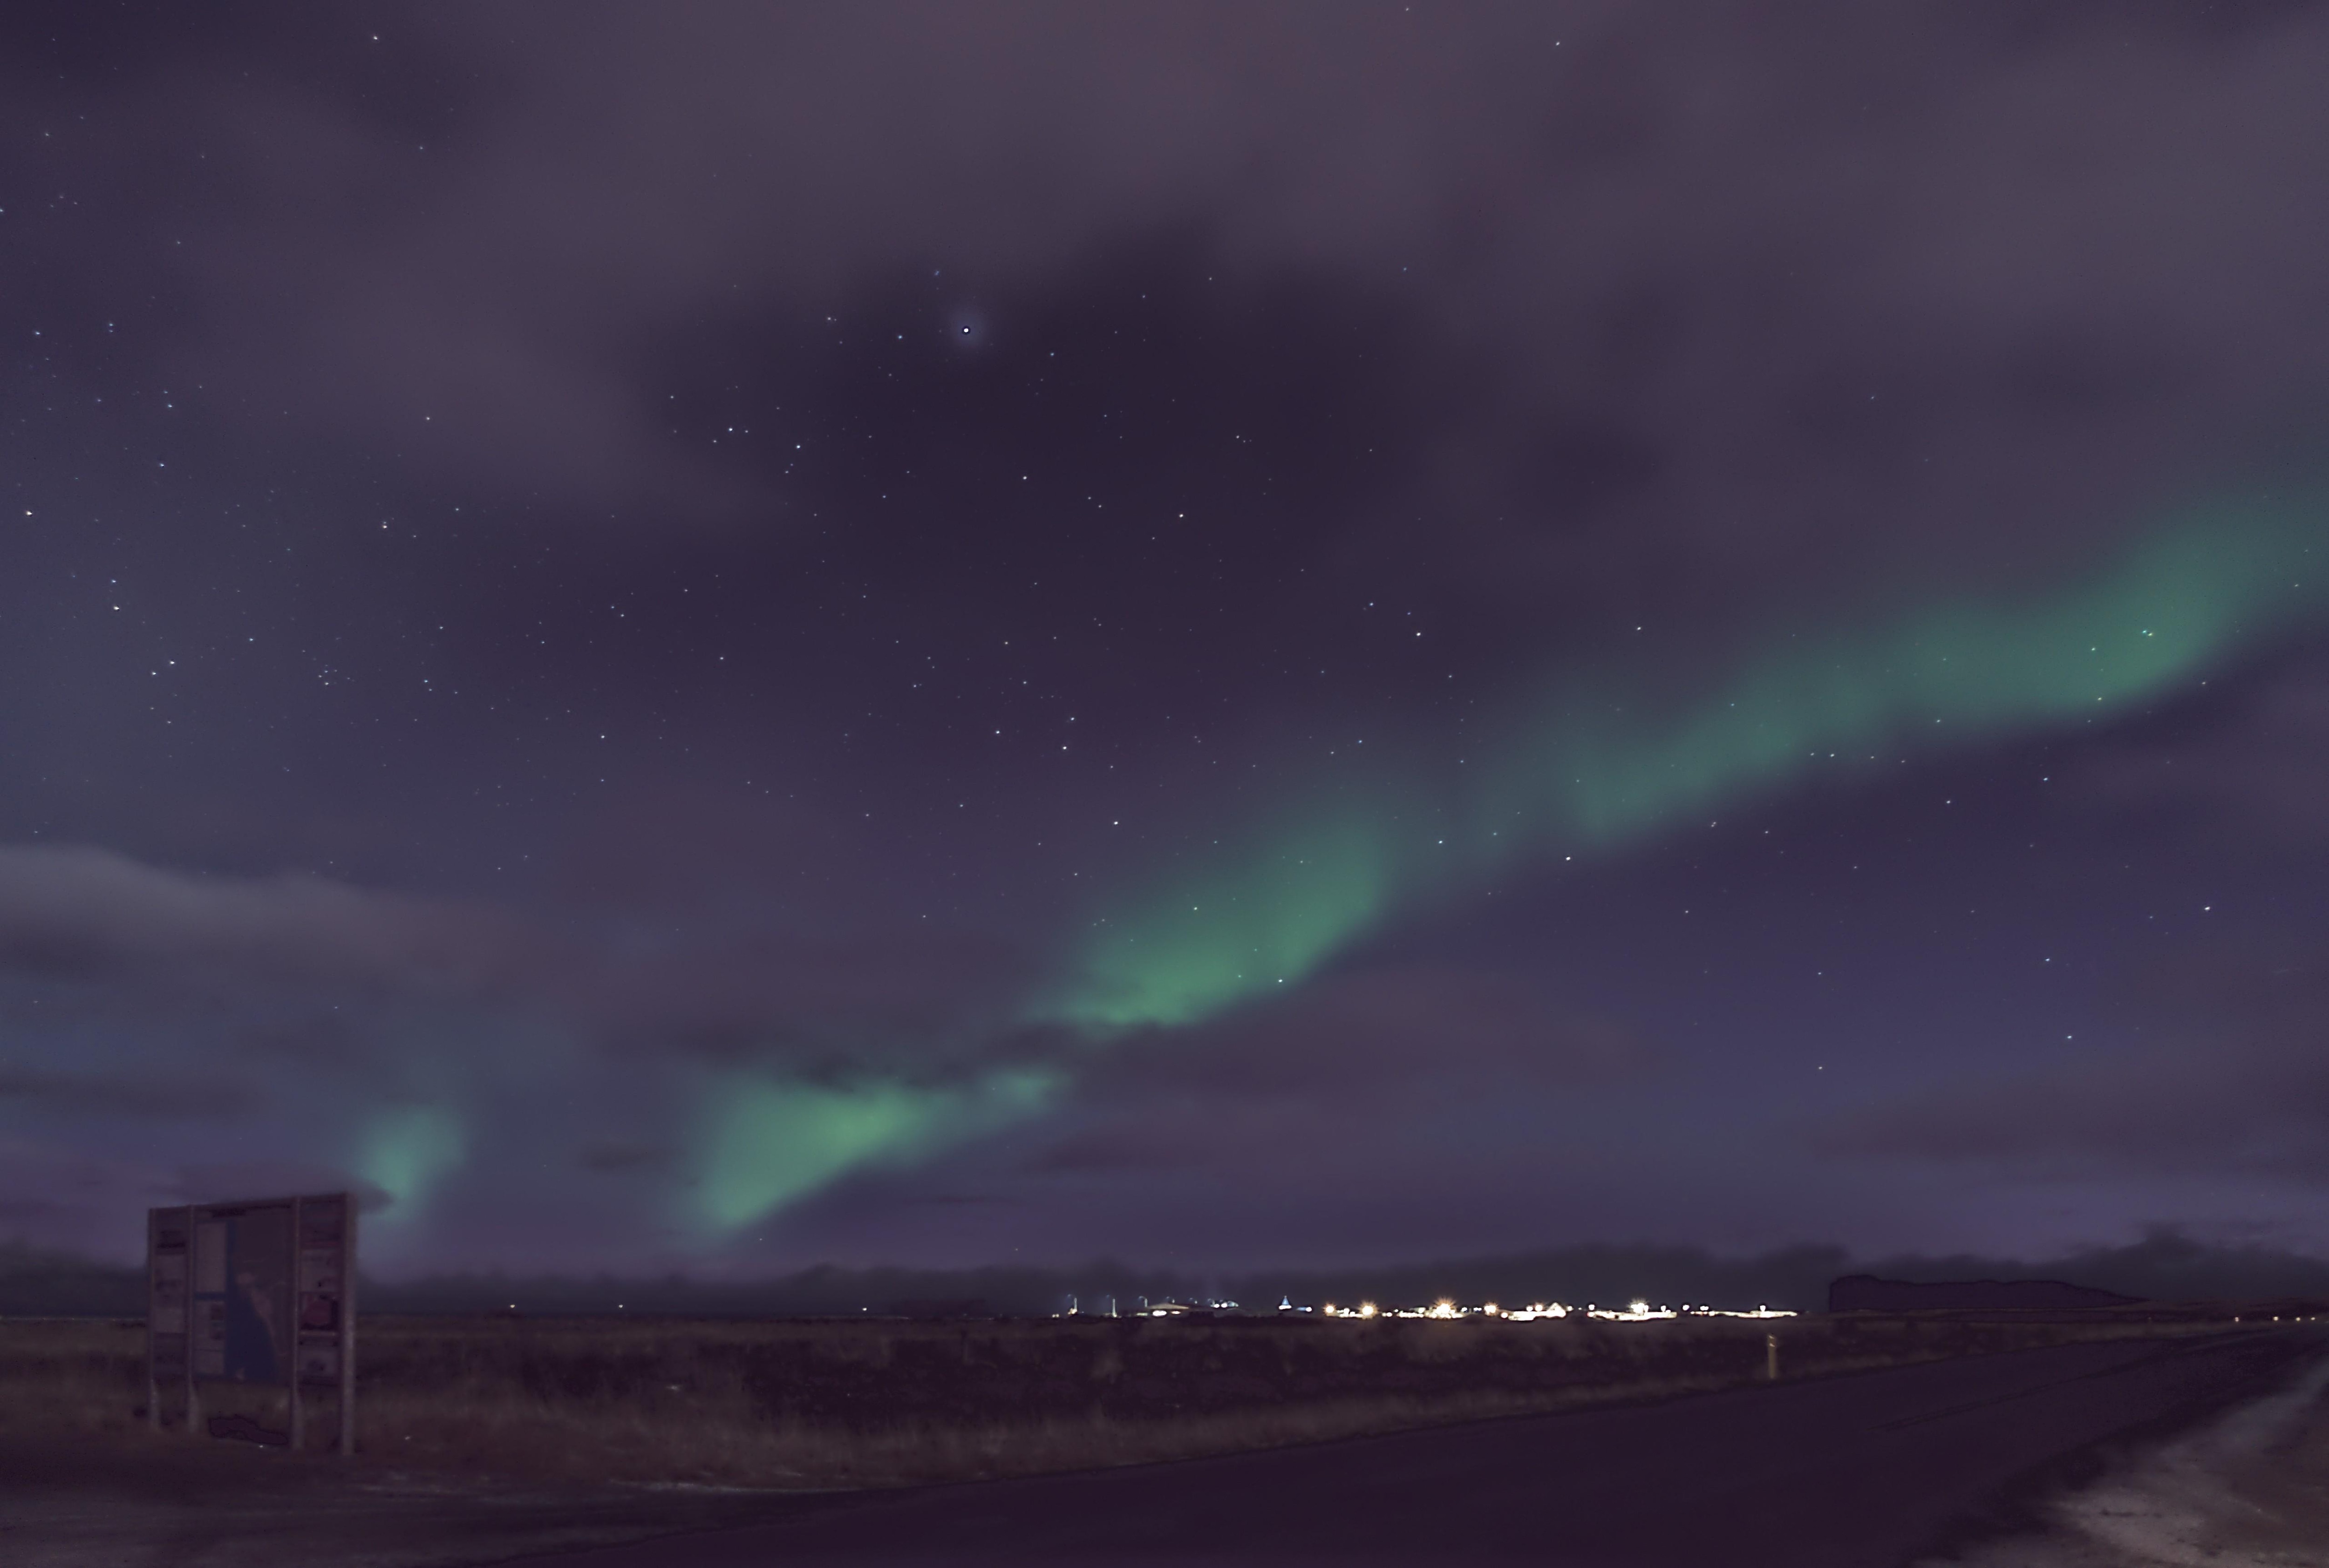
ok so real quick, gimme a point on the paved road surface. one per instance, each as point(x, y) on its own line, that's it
point(1865, 1471)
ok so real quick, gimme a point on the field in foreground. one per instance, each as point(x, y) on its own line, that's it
point(818, 1403)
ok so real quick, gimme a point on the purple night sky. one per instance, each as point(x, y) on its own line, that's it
point(723, 637)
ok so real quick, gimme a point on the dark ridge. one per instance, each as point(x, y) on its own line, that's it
point(955, 1306)
point(35, 1282)
point(2163, 1266)
point(1867, 1293)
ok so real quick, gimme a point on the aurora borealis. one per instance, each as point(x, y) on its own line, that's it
point(2180, 604)
point(782, 639)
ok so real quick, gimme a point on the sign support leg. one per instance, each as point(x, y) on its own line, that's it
point(348, 1326)
point(297, 1424)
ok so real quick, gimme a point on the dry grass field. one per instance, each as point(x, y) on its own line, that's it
point(822, 1404)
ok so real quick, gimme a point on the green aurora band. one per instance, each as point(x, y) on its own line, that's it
point(1580, 770)
point(405, 1152)
point(772, 1143)
point(1571, 768)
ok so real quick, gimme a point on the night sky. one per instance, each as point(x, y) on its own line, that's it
point(723, 637)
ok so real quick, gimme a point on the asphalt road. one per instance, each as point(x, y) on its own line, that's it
point(1864, 1472)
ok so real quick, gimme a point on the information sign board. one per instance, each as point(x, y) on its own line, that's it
point(256, 1292)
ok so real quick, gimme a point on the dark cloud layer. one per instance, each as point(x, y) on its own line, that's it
point(82, 911)
point(2234, 1081)
point(571, 571)
point(1330, 1082)
point(1922, 234)
point(2258, 764)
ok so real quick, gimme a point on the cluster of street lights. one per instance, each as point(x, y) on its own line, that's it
point(1636, 1311)
point(1446, 1310)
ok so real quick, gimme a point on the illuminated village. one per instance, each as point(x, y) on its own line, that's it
point(1443, 1310)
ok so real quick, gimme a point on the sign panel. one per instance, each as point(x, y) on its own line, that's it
point(165, 1287)
point(326, 1234)
point(242, 1292)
